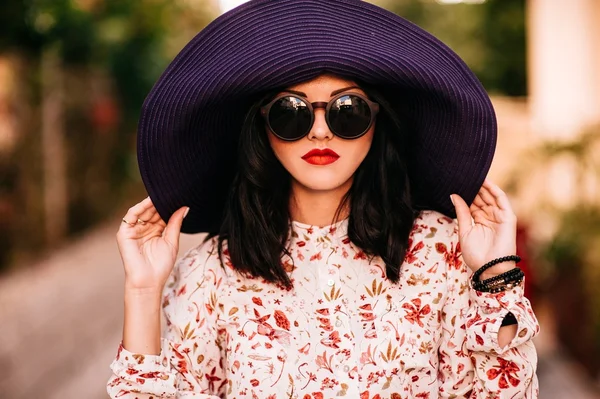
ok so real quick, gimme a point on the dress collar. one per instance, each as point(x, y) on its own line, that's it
point(302, 231)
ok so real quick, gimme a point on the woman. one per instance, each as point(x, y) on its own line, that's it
point(326, 177)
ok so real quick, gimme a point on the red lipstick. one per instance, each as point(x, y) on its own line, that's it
point(318, 156)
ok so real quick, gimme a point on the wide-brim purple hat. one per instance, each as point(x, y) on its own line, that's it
point(191, 120)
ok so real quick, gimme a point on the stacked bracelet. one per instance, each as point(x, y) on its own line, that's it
point(499, 277)
point(491, 263)
point(501, 282)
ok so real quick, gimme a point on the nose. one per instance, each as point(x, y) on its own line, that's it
point(320, 130)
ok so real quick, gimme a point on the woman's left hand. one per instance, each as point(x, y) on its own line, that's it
point(494, 231)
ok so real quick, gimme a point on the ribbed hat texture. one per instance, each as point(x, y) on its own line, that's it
point(191, 119)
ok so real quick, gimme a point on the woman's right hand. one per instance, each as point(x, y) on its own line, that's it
point(148, 246)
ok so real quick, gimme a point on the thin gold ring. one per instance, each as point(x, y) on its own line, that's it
point(142, 222)
point(129, 223)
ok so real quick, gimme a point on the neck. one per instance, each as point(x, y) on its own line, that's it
point(317, 207)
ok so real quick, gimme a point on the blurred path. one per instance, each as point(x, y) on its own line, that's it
point(560, 376)
point(62, 320)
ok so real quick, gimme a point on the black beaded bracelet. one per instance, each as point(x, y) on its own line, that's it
point(501, 287)
point(513, 274)
point(493, 262)
point(509, 281)
point(499, 276)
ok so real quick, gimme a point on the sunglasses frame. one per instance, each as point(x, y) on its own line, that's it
point(373, 106)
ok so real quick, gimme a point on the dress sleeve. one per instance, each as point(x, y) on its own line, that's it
point(471, 362)
point(190, 364)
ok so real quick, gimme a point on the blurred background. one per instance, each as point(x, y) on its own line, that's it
point(73, 75)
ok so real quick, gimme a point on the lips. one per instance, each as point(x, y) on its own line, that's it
point(318, 156)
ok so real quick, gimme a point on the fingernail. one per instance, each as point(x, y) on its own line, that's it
point(186, 212)
point(452, 200)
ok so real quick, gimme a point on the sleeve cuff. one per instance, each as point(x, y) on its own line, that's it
point(495, 301)
point(485, 317)
point(140, 369)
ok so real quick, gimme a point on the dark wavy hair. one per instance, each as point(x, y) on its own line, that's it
point(256, 218)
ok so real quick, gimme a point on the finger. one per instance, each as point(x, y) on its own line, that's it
point(481, 217)
point(173, 229)
point(478, 201)
point(157, 219)
point(148, 214)
point(463, 214)
point(474, 209)
point(487, 197)
point(499, 195)
point(133, 213)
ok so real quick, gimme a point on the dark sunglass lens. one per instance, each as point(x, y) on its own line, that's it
point(289, 118)
point(349, 116)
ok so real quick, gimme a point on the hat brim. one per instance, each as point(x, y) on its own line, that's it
point(192, 117)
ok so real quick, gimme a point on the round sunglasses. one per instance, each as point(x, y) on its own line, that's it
point(290, 117)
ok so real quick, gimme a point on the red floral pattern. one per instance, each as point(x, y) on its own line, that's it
point(343, 330)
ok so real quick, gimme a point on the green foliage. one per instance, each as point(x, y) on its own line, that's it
point(490, 37)
point(110, 53)
point(572, 255)
point(575, 254)
point(577, 237)
point(15, 27)
point(128, 38)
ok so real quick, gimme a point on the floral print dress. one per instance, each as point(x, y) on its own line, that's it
point(342, 331)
